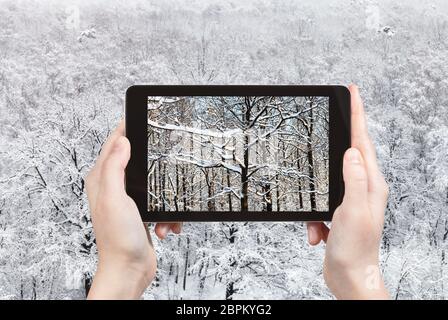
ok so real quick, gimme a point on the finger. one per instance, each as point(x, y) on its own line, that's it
point(314, 233)
point(162, 230)
point(361, 140)
point(377, 186)
point(358, 120)
point(176, 227)
point(355, 180)
point(112, 172)
point(92, 180)
point(325, 231)
point(359, 133)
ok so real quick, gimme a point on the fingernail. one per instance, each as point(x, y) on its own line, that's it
point(353, 156)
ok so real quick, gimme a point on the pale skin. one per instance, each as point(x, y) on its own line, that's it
point(126, 257)
point(351, 265)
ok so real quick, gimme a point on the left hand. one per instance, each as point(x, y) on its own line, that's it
point(127, 261)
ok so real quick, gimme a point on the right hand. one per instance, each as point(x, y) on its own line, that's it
point(351, 266)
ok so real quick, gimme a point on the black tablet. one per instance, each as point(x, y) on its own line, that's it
point(237, 153)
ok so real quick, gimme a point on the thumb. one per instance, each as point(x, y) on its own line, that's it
point(355, 179)
point(114, 165)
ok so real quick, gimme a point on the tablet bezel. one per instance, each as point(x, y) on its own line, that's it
point(136, 132)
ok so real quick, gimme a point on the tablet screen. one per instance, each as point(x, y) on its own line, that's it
point(238, 154)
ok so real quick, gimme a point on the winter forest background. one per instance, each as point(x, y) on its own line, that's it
point(230, 154)
point(64, 69)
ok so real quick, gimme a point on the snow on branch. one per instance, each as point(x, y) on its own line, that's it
point(198, 131)
point(205, 163)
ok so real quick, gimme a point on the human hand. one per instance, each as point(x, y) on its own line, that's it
point(351, 266)
point(126, 258)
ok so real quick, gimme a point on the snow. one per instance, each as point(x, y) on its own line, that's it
point(60, 99)
point(198, 131)
point(205, 163)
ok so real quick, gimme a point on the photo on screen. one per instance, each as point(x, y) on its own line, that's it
point(238, 154)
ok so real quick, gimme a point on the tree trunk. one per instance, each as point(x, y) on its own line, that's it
point(244, 177)
point(21, 289)
point(267, 197)
point(176, 278)
point(245, 167)
point(230, 291)
point(192, 200)
point(230, 193)
point(312, 185)
point(266, 180)
point(200, 180)
point(34, 293)
point(277, 191)
point(210, 180)
point(176, 191)
point(299, 168)
point(230, 287)
point(184, 189)
point(204, 267)
point(156, 202)
point(87, 283)
point(211, 191)
point(184, 285)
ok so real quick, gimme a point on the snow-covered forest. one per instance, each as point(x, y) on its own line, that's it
point(229, 153)
point(64, 70)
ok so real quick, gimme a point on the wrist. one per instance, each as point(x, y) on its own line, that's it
point(363, 283)
point(116, 281)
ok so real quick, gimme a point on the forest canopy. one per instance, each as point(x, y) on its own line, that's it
point(62, 91)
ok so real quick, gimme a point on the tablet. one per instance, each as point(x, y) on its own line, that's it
point(236, 153)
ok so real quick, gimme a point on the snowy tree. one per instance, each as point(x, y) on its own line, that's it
point(60, 97)
point(237, 153)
